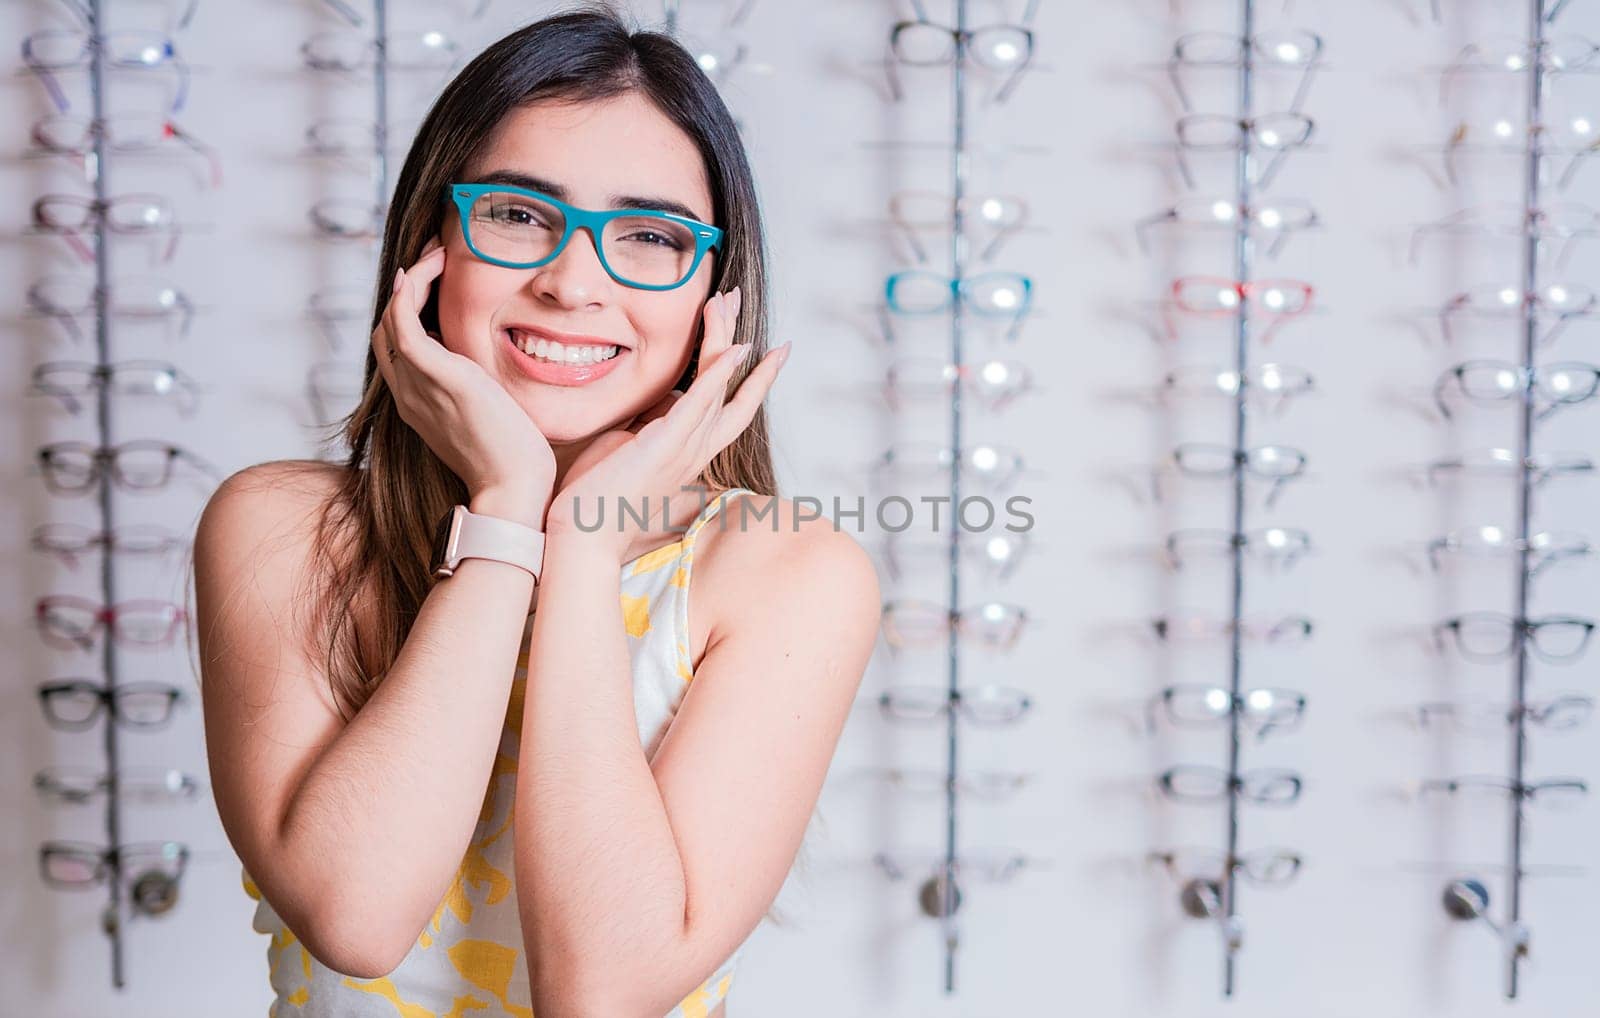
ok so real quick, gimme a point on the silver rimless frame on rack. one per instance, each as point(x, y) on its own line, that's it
point(1538, 389)
point(1259, 141)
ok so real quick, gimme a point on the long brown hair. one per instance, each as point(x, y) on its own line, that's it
point(375, 532)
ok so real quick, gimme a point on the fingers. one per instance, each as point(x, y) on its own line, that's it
point(410, 291)
point(741, 409)
point(399, 334)
point(659, 409)
point(721, 315)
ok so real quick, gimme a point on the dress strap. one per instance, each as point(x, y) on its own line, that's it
point(711, 509)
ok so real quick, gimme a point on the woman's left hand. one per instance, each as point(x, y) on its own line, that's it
point(667, 447)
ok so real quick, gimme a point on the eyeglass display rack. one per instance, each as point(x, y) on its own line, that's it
point(323, 393)
point(1204, 896)
point(940, 896)
point(1466, 898)
point(152, 892)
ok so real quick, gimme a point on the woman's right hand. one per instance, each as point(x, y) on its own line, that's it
point(463, 414)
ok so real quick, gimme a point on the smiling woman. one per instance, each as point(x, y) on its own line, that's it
point(525, 777)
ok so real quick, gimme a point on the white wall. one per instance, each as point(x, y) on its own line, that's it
point(1097, 931)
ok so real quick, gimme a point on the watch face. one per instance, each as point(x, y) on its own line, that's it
point(441, 541)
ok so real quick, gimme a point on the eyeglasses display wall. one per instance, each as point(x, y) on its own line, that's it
point(1242, 96)
point(1298, 718)
point(112, 645)
point(1518, 378)
point(955, 239)
point(391, 56)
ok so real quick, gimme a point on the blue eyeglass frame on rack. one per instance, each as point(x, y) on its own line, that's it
point(706, 236)
point(960, 289)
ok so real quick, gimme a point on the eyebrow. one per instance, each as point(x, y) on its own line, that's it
point(618, 201)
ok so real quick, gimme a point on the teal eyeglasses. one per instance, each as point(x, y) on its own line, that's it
point(523, 229)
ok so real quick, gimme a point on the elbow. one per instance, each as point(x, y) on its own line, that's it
point(349, 941)
point(599, 988)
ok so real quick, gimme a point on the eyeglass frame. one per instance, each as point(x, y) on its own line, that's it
point(106, 701)
point(1241, 460)
point(1540, 466)
point(105, 617)
point(1299, 543)
point(963, 42)
point(1246, 212)
point(1576, 546)
point(960, 702)
point(1522, 629)
point(1527, 384)
point(103, 539)
point(91, 42)
point(100, 455)
point(1537, 711)
point(960, 288)
point(151, 783)
point(1246, 134)
point(1234, 783)
point(1239, 705)
point(706, 236)
point(1240, 863)
point(185, 392)
point(1247, 383)
point(109, 859)
point(103, 298)
point(1530, 304)
point(1241, 43)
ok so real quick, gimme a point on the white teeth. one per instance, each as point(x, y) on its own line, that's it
point(553, 352)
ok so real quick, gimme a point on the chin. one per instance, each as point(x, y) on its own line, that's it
point(575, 425)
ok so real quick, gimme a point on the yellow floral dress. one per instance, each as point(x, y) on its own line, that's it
point(469, 958)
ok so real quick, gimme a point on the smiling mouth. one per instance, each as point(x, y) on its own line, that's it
point(548, 351)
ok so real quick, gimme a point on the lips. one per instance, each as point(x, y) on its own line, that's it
point(551, 373)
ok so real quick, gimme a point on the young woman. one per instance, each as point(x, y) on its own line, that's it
point(446, 802)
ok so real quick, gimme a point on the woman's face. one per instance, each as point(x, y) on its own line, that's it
point(595, 155)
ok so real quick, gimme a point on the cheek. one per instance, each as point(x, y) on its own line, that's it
point(672, 332)
point(467, 300)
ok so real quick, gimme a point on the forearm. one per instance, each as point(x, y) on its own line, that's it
point(598, 869)
point(386, 812)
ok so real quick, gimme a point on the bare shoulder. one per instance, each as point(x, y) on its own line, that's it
point(769, 556)
point(258, 529)
point(276, 497)
point(278, 485)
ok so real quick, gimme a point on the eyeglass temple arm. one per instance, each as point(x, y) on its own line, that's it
point(1300, 91)
point(1005, 90)
point(46, 78)
point(1438, 393)
point(1173, 75)
point(895, 91)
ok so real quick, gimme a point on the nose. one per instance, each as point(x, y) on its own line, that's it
point(575, 277)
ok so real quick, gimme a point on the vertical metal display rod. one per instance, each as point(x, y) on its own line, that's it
point(957, 268)
point(1530, 276)
point(112, 917)
point(380, 81)
point(1243, 167)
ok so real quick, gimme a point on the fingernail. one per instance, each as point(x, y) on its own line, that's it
point(783, 352)
point(741, 353)
point(399, 274)
point(737, 297)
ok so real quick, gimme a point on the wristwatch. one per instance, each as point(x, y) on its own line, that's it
point(464, 534)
